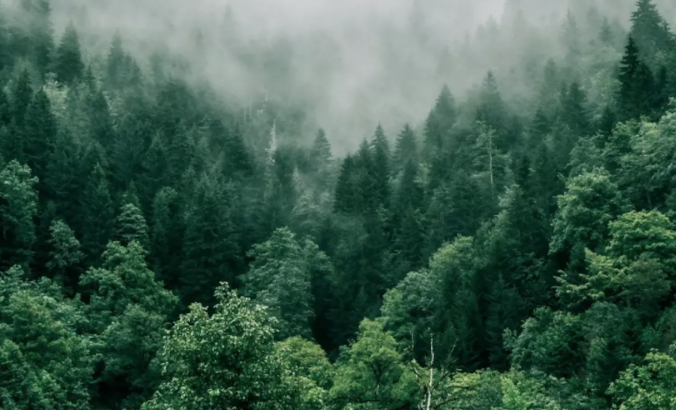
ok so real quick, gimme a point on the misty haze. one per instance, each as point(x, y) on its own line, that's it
point(337, 205)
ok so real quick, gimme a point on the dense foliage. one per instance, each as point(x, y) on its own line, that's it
point(161, 249)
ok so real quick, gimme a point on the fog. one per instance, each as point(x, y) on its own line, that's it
point(350, 64)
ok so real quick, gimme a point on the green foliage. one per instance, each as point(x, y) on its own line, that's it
point(68, 64)
point(226, 360)
point(18, 207)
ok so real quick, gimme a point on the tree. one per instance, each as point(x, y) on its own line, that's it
point(381, 169)
point(650, 385)
point(211, 252)
point(492, 111)
point(39, 134)
point(130, 226)
point(166, 236)
point(636, 84)
point(225, 360)
point(97, 214)
point(650, 31)
point(279, 278)
point(45, 362)
point(65, 254)
point(439, 125)
point(406, 149)
point(68, 64)
point(128, 311)
point(371, 372)
point(18, 208)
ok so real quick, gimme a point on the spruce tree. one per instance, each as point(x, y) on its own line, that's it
point(68, 65)
point(130, 226)
point(211, 252)
point(439, 125)
point(39, 135)
point(381, 169)
point(97, 214)
point(166, 236)
point(18, 208)
point(650, 31)
point(636, 84)
point(405, 150)
point(22, 94)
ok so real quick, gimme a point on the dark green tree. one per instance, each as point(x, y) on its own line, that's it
point(97, 214)
point(68, 65)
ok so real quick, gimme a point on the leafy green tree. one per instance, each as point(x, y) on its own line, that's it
point(65, 254)
point(647, 386)
point(68, 65)
point(18, 208)
point(308, 370)
point(46, 363)
point(226, 360)
point(370, 373)
point(128, 310)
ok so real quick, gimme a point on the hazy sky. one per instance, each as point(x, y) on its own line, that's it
point(355, 65)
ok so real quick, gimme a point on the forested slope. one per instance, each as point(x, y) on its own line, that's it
point(163, 247)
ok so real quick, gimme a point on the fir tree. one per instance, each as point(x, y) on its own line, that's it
point(97, 214)
point(405, 150)
point(131, 226)
point(68, 64)
point(40, 134)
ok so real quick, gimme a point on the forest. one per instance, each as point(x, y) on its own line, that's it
point(167, 246)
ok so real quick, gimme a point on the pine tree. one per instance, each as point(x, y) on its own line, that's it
point(439, 125)
point(22, 94)
point(492, 110)
point(68, 64)
point(574, 111)
point(18, 207)
point(65, 255)
point(167, 236)
point(348, 198)
point(406, 149)
point(636, 84)
point(211, 250)
point(650, 31)
point(64, 178)
point(97, 214)
point(40, 135)
point(130, 226)
point(381, 169)
point(40, 37)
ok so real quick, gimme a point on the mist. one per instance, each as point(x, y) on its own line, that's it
point(348, 65)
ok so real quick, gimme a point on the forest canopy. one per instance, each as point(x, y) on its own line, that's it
point(165, 245)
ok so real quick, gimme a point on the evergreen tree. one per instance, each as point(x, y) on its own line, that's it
point(97, 214)
point(211, 251)
point(439, 125)
point(22, 95)
point(130, 226)
point(18, 207)
point(166, 236)
point(636, 84)
point(650, 31)
point(492, 110)
point(279, 278)
point(405, 150)
point(68, 65)
point(381, 169)
point(65, 255)
point(39, 134)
